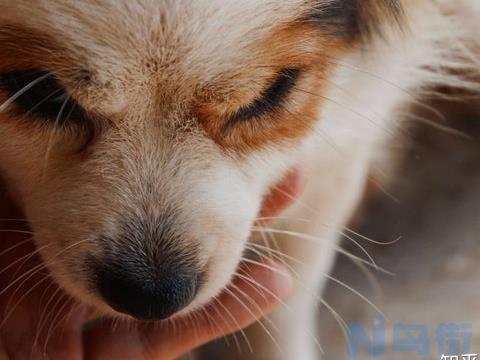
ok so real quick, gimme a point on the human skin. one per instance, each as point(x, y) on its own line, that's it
point(38, 320)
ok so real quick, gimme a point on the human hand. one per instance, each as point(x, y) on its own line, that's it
point(38, 320)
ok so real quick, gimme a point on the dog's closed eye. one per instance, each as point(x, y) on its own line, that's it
point(270, 99)
point(40, 93)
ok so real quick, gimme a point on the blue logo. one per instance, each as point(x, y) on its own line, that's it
point(447, 341)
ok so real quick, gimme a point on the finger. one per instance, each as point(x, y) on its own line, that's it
point(241, 305)
point(58, 336)
point(66, 339)
point(284, 194)
point(256, 290)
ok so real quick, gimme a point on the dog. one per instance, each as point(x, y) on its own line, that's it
point(139, 137)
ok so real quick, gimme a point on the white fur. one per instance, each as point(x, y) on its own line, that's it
point(216, 194)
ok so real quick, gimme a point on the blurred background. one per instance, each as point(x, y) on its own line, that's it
point(432, 203)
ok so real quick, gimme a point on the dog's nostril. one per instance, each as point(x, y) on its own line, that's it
point(147, 298)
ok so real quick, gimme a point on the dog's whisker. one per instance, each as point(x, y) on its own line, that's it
point(14, 220)
point(76, 306)
point(280, 255)
point(22, 91)
point(58, 319)
point(253, 302)
point(265, 238)
point(9, 309)
point(212, 323)
point(235, 322)
point(39, 267)
point(22, 260)
point(268, 218)
point(340, 105)
point(284, 304)
point(337, 317)
point(372, 280)
point(56, 308)
point(345, 228)
point(250, 311)
point(16, 231)
point(44, 316)
point(15, 246)
point(212, 320)
point(356, 292)
point(362, 248)
point(319, 132)
point(52, 134)
point(373, 241)
point(447, 129)
point(347, 236)
point(341, 322)
point(41, 102)
point(317, 240)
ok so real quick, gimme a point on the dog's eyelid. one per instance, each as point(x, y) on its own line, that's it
point(40, 93)
point(271, 98)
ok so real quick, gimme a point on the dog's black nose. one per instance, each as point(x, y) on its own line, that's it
point(144, 296)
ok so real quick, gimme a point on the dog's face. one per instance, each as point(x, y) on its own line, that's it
point(140, 136)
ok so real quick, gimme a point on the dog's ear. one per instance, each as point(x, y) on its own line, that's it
point(355, 19)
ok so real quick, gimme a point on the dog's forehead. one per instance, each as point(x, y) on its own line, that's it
point(201, 35)
point(197, 35)
point(175, 46)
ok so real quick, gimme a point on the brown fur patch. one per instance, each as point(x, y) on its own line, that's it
point(294, 46)
point(23, 48)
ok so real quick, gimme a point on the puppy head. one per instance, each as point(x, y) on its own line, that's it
point(139, 137)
